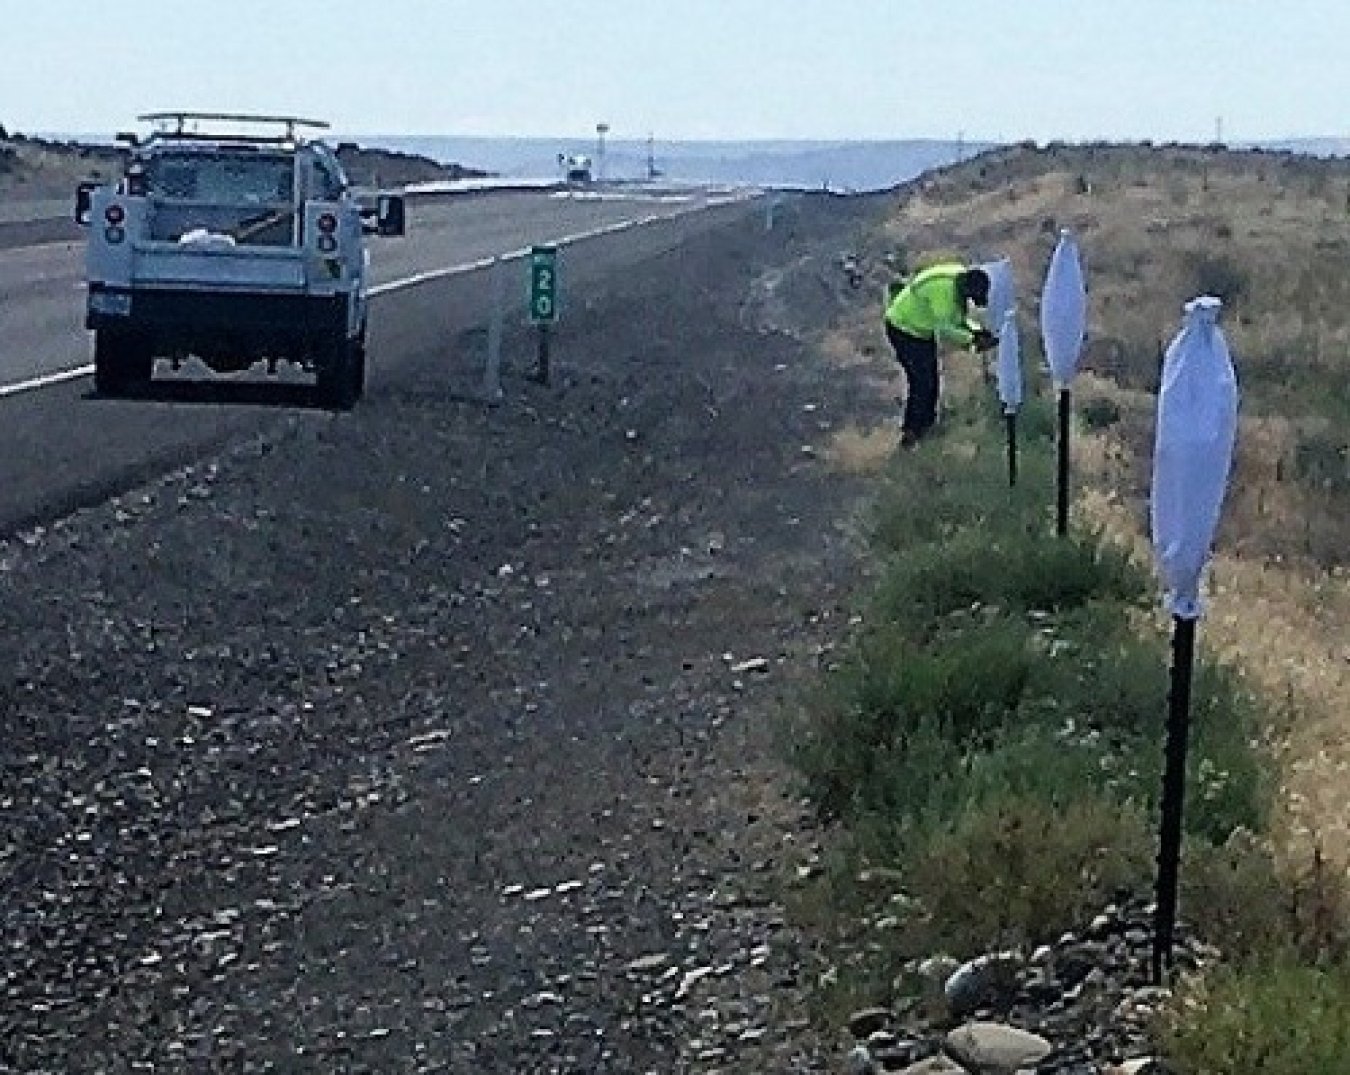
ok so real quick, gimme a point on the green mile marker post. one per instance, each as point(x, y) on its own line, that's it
point(543, 301)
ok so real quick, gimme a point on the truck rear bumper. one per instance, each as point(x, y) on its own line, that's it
point(175, 312)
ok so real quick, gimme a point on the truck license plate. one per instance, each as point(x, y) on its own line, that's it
point(110, 303)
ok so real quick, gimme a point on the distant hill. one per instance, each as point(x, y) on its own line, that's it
point(370, 166)
point(861, 166)
point(839, 165)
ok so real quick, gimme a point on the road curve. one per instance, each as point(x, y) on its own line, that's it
point(62, 448)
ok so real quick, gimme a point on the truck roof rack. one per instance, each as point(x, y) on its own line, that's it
point(179, 122)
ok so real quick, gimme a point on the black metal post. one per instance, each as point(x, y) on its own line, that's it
point(1062, 506)
point(541, 370)
point(1010, 418)
point(1173, 793)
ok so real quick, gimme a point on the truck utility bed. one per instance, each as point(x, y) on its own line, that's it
point(231, 248)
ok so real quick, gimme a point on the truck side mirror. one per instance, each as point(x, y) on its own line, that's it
point(391, 214)
point(84, 201)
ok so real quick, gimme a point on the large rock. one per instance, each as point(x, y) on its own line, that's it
point(988, 982)
point(936, 1065)
point(996, 1049)
point(860, 1061)
point(869, 1021)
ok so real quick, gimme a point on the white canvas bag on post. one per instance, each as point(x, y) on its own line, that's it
point(1193, 452)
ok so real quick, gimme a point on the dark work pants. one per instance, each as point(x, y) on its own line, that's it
point(919, 359)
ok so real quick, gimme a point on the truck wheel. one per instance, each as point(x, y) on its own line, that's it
point(122, 361)
point(340, 377)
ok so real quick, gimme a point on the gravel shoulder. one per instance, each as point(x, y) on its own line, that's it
point(436, 737)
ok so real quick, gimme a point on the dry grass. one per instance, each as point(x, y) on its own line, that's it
point(852, 348)
point(855, 449)
point(1271, 234)
point(862, 345)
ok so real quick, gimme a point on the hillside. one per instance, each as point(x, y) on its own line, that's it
point(369, 166)
point(1270, 234)
point(38, 170)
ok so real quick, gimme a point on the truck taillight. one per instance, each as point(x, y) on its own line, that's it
point(114, 215)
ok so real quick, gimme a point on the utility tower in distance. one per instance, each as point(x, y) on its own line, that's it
point(601, 129)
point(653, 172)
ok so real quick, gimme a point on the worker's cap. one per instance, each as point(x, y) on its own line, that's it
point(975, 284)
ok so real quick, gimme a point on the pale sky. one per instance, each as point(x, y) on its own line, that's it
point(692, 69)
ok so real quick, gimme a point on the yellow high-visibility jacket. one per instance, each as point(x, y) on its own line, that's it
point(930, 308)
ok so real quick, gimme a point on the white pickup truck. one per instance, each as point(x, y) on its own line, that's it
point(234, 247)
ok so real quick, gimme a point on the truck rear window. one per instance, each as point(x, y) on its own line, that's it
point(222, 179)
point(247, 199)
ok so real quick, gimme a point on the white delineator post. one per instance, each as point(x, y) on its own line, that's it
point(1192, 459)
point(1063, 329)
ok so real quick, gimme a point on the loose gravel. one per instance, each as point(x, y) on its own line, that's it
point(437, 737)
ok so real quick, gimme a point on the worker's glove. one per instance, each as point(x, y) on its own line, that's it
point(983, 340)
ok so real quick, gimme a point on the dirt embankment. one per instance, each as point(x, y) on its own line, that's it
point(437, 738)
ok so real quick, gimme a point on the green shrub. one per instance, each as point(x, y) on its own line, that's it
point(1256, 910)
point(1016, 570)
point(1022, 871)
point(893, 699)
point(997, 705)
point(971, 686)
point(1277, 1019)
point(1216, 274)
point(1059, 766)
point(1116, 685)
point(1037, 428)
point(937, 496)
point(1099, 413)
point(960, 479)
point(1322, 461)
point(932, 783)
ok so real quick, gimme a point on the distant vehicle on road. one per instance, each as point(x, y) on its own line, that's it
point(234, 239)
point(576, 168)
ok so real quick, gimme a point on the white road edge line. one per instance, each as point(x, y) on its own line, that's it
point(62, 376)
point(516, 255)
point(46, 381)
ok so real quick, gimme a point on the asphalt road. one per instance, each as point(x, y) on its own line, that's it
point(24, 211)
point(61, 447)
